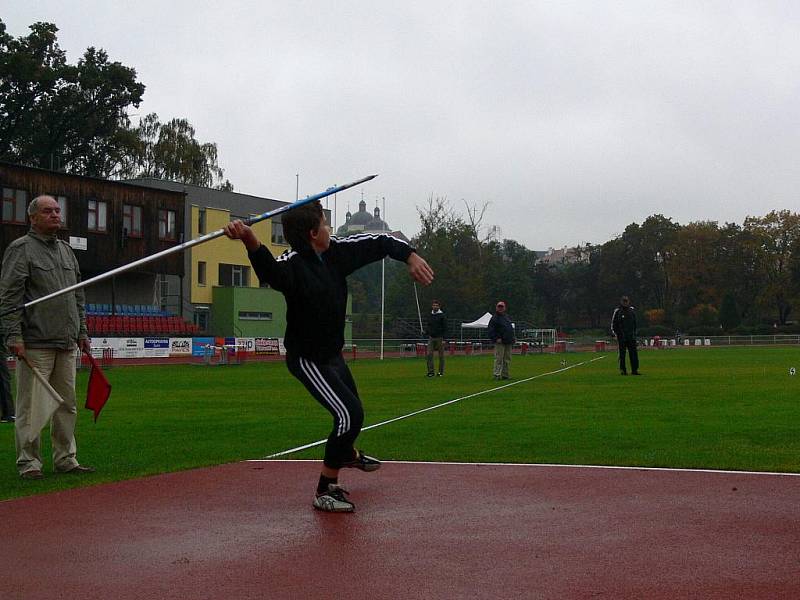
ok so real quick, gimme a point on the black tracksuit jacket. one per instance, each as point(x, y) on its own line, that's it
point(315, 287)
point(623, 323)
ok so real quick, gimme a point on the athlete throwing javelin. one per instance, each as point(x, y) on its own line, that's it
point(313, 279)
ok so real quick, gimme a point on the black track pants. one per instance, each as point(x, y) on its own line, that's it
point(630, 346)
point(332, 385)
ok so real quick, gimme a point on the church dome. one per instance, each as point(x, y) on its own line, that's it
point(362, 217)
point(344, 229)
point(376, 223)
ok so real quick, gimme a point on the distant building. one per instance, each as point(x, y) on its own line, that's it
point(109, 224)
point(363, 222)
point(562, 256)
point(218, 292)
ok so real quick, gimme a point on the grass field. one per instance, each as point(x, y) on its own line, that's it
point(727, 408)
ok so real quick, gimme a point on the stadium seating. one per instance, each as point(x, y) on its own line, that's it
point(135, 320)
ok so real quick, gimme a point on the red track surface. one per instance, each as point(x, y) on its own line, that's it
point(247, 530)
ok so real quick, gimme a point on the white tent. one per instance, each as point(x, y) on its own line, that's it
point(481, 323)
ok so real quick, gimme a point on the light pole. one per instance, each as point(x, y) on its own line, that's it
point(297, 188)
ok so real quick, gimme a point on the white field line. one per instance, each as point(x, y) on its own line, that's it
point(417, 412)
point(555, 465)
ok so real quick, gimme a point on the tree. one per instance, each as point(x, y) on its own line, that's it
point(452, 247)
point(57, 115)
point(778, 233)
point(171, 151)
point(728, 313)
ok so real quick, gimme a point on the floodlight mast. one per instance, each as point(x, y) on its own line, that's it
point(191, 243)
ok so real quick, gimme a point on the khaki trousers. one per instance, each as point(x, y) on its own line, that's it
point(435, 344)
point(502, 359)
point(58, 367)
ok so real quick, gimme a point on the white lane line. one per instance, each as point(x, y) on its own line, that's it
point(417, 412)
point(554, 465)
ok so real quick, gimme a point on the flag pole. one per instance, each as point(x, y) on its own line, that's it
point(43, 381)
point(200, 240)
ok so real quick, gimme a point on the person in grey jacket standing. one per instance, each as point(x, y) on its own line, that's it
point(501, 332)
point(437, 327)
point(44, 336)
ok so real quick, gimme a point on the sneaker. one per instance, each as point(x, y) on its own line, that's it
point(78, 470)
point(334, 500)
point(10, 419)
point(32, 474)
point(363, 462)
point(439, 374)
point(430, 374)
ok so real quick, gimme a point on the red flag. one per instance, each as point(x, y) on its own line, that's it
point(98, 390)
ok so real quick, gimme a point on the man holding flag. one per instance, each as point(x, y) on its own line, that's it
point(44, 338)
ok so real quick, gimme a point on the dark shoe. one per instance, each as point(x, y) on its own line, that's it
point(636, 373)
point(363, 463)
point(623, 372)
point(440, 374)
point(79, 470)
point(334, 500)
point(506, 377)
point(10, 419)
point(32, 474)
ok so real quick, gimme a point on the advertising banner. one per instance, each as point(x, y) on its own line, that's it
point(180, 346)
point(156, 347)
point(130, 348)
point(247, 345)
point(199, 345)
point(269, 346)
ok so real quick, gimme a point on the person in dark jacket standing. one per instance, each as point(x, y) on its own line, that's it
point(6, 400)
point(623, 327)
point(313, 279)
point(437, 327)
point(501, 332)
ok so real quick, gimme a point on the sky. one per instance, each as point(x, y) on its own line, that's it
point(568, 119)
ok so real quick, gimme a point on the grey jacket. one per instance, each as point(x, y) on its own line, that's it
point(33, 266)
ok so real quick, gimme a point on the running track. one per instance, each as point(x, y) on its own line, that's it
point(247, 530)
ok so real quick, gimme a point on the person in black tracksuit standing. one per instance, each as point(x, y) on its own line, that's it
point(437, 327)
point(623, 327)
point(313, 279)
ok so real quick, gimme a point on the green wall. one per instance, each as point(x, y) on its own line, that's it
point(228, 302)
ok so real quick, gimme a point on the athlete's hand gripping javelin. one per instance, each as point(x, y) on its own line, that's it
point(419, 269)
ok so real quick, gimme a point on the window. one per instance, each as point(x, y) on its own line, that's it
point(132, 220)
point(14, 204)
point(201, 317)
point(201, 221)
point(62, 204)
point(97, 216)
point(201, 273)
point(166, 224)
point(234, 275)
point(247, 315)
point(277, 232)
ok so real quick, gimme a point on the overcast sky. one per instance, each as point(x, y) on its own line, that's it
point(572, 119)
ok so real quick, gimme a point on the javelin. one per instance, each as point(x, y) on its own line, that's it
point(202, 239)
